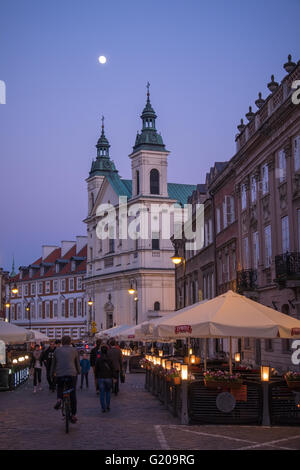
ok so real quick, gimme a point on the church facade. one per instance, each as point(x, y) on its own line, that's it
point(130, 275)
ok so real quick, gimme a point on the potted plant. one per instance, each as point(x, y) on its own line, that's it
point(222, 380)
point(174, 375)
point(293, 380)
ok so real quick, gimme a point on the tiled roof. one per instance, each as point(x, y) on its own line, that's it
point(51, 260)
point(179, 192)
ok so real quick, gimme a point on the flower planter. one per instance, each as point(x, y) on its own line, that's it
point(168, 379)
point(222, 384)
point(293, 384)
point(177, 380)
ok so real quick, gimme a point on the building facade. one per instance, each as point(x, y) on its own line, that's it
point(51, 294)
point(141, 259)
point(3, 282)
point(252, 218)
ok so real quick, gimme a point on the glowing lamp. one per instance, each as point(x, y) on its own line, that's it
point(177, 366)
point(158, 361)
point(131, 290)
point(176, 259)
point(7, 305)
point(265, 373)
point(168, 365)
point(15, 361)
point(163, 363)
point(160, 353)
point(237, 357)
point(90, 302)
point(190, 351)
point(15, 290)
point(193, 359)
point(184, 372)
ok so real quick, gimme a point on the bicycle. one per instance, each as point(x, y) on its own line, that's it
point(66, 403)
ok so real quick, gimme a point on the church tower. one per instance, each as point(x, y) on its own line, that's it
point(102, 166)
point(149, 158)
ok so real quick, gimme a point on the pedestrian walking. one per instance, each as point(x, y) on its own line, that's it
point(36, 367)
point(47, 358)
point(104, 372)
point(85, 366)
point(66, 367)
point(115, 355)
point(95, 354)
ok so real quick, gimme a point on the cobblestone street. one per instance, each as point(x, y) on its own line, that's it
point(137, 420)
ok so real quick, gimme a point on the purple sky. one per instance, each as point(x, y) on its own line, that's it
point(206, 62)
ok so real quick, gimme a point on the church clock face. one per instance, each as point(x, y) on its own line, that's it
point(106, 164)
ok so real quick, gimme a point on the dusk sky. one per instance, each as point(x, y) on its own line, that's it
point(206, 61)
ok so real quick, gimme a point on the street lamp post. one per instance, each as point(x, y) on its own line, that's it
point(177, 259)
point(132, 291)
point(7, 306)
point(29, 314)
point(90, 304)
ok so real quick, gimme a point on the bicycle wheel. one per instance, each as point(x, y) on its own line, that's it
point(67, 414)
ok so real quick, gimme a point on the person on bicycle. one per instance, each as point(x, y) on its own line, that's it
point(65, 365)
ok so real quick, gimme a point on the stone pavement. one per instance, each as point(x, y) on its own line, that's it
point(137, 420)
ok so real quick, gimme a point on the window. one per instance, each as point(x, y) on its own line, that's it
point(255, 241)
point(298, 214)
point(156, 306)
point(79, 307)
point(40, 287)
point(228, 210)
point(246, 252)
point(297, 153)
point(218, 220)
point(253, 189)
point(32, 311)
point(285, 234)
point(268, 345)
point(111, 245)
point(265, 179)
point(63, 285)
point(281, 165)
point(155, 241)
point(55, 309)
point(40, 307)
point(71, 308)
point(210, 234)
point(26, 289)
point(47, 287)
point(32, 289)
point(226, 268)
point(63, 308)
point(91, 253)
point(55, 286)
point(19, 311)
point(20, 289)
point(47, 307)
point(268, 246)
point(79, 283)
point(244, 197)
point(71, 283)
point(154, 181)
point(137, 175)
point(233, 257)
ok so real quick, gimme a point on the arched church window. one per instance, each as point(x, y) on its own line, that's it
point(154, 181)
point(156, 306)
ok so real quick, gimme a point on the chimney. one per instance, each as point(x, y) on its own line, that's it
point(47, 250)
point(81, 241)
point(66, 246)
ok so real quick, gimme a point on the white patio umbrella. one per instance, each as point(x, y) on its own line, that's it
point(111, 332)
point(229, 315)
point(13, 334)
point(38, 336)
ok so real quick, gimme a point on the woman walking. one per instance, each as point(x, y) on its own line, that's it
point(36, 364)
point(104, 373)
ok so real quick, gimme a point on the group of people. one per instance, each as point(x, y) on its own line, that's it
point(63, 365)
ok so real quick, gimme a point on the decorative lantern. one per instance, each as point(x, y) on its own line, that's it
point(158, 361)
point(193, 359)
point(265, 373)
point(190, 351)
point(177, 366)
point(163, 363)
point(184, 372)
point(160, 353)
point(168, 365)
point(237, 357)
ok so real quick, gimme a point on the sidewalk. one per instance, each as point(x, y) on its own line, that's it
point(29, 421)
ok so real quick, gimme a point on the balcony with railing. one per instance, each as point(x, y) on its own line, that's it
point(246, 280)
point(287, 268)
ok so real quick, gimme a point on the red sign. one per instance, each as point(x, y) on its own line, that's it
point(295, 331)
point(183, 329)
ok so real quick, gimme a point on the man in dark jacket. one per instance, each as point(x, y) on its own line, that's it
point(95, 354)
point(104, 372)
point(115, 355)
point(47, 358)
